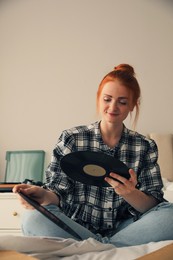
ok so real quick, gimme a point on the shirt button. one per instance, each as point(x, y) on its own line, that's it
point(110, 226)
point(110, 209)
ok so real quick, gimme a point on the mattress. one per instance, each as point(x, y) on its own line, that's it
point(69, 249)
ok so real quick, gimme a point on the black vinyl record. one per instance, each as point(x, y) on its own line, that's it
point(91, 168)
point(50, 215)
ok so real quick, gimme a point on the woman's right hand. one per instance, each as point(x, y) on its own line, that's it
point(35, 192)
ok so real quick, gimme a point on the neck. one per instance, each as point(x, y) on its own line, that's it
point(111, 130)
point(111, 134)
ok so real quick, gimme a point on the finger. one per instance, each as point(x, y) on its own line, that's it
point(117, 177)
point(23, 202)
point(26, 205)
point(133, 176)
point(115, 184)
point(18, 187)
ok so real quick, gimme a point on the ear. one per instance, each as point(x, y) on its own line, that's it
point(131, 107)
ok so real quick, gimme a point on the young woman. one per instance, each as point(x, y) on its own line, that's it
point(129, 211)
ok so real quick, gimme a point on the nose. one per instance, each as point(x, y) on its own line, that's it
point(114, 106)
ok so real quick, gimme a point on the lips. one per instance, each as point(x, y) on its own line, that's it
point(112, 114)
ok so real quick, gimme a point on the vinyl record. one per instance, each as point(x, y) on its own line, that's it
point(49, 215)
point(92, 167)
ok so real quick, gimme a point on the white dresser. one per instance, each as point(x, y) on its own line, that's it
point(10, 214)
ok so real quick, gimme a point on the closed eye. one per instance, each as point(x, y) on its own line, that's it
point(123, 101)
point(107, 99)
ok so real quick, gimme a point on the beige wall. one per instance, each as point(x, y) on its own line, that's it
point(53, 54)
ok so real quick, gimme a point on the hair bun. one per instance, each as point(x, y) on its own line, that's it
point(125, 68)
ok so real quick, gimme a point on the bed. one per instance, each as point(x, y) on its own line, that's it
point(69, 249)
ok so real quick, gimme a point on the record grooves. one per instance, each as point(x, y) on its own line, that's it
point(91, 168)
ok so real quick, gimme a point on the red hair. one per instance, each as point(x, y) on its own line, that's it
point(126, 75)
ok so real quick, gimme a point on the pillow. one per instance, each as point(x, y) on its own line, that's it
point(165, 148)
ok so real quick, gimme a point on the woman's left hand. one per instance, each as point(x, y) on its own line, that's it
point(123, 186)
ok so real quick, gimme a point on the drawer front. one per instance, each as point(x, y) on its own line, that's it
point(10, 214)
point(13, 232)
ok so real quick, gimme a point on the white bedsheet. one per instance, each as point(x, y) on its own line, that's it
point(168, 190)
point(69, 249)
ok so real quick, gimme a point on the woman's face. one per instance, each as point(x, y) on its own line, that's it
point(115, 102)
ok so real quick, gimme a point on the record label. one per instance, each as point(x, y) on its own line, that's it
point(94, 170)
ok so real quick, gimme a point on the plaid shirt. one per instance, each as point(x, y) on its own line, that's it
point(99, 208)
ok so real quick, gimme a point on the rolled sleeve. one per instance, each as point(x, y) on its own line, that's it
point(150, 177)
